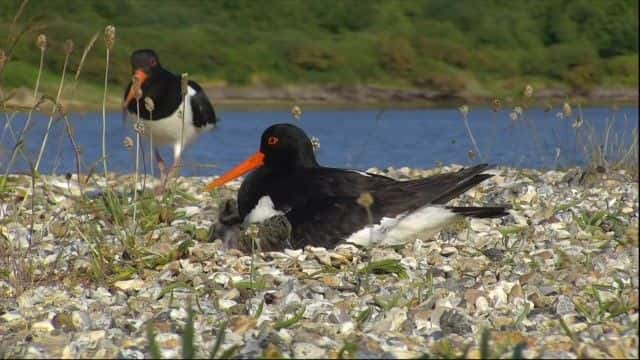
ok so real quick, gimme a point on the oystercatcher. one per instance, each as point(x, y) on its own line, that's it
point(321, 204)
point(164, 124)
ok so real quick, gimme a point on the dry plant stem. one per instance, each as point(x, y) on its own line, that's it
point(29, 114)
point(151, 146)
point(185, 94)
point(55, 109)
point(473, 140)
point(135, 177)
point(104, 117)
point(606, 139)
point(76, 150)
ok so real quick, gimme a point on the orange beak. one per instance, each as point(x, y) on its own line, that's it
point(255, 161)
point(139, 77)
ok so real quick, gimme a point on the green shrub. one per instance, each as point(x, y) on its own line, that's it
point(445, 51)
point(312, 57)
point(396, 54)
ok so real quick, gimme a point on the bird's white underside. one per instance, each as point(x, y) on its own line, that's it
point(165, 132)
point(263, 210)
point(425, 221)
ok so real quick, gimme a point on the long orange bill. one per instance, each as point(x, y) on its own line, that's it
point(139, 78)
point(253, 162)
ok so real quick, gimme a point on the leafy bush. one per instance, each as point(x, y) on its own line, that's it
point(396, 54)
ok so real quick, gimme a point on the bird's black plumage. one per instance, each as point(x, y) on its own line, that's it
point(321, 202)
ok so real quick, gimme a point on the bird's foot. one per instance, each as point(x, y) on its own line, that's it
point(161, 166)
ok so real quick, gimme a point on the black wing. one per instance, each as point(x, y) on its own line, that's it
point(203, 113)
point(321, 203)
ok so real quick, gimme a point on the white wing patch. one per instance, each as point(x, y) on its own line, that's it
point(263, 210)
point(360, 172)
point(425, 221)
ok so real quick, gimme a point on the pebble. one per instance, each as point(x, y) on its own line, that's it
point(453, 284)
point(126, 285)
point(564, 305)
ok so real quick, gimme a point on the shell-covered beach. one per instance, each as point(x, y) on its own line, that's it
point(557, 278)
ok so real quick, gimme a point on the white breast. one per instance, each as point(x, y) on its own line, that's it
point(263, 210)
point(166, 131)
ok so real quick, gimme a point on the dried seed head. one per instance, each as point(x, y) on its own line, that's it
point(148, 104)
point(68, 46)
point(513, 115)
point(528, 91)
point(68, 176)
point(496, 105)
point(548, 107)
point(127, 143)
point(184, 83)
point(365, 200)
point(109, 36)
point(3, 59)
point(139, 127)
point(578, 123)
point(252, 231)
point(315, 142)
point(566, 110)
point(518, 110)
point(296, 112)
point(472, 155)
point(464, 110)
point(41, 42)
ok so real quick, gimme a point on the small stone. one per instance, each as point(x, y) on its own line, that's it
point(44, 326)
point(11, 317)
point(479, 225)
point(308, 351)
point(448, 251)
point(494, 254)
point(471, 295)
point(498, 296)
point(63, 321)
point(482, 304)
point(564, 305)
point(453, 322)
point(126, 285)
point(225, 304)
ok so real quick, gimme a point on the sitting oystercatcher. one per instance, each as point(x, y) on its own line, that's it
point(321, 203)
point(163, 120)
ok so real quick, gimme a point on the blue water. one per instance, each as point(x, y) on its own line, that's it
point(348, 138)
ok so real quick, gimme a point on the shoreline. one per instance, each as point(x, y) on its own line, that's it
point(262, 97)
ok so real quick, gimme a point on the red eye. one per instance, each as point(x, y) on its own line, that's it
point(272, 140)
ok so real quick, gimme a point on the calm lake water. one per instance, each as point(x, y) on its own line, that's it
point(348, 138)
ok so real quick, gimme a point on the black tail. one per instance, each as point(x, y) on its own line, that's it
point(464, 180)
point(480, 212)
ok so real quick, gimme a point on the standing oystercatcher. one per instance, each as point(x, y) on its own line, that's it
point(164, 124)
point(321, 205)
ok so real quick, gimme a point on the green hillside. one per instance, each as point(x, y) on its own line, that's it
point(483, 47)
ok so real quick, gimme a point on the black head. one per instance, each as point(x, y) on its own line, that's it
point(283, 147)
point(286, 146)
point(144, 64)
point(144, 59)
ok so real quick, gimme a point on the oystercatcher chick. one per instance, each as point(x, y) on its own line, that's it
point(321, 203)
point(163, 120)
